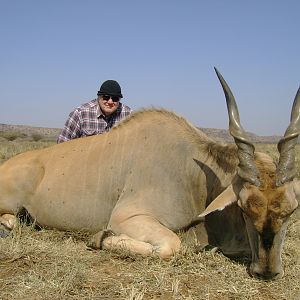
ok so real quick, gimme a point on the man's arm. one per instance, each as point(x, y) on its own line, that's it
point(72, 128)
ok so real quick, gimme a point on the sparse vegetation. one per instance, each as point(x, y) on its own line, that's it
point(48, 264)
point(21, 132)
point(12, 135)
point(36, 137)
point(9, 149)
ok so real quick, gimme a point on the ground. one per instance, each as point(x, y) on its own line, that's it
point(47, 264)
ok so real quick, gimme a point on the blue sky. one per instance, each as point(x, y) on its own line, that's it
point(55, 54)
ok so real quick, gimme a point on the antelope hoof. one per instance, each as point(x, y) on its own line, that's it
point(96, 240)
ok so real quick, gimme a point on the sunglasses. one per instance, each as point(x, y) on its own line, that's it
point(113, 98)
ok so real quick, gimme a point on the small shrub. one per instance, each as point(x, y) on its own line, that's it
point(12, 135)
point(36, 137)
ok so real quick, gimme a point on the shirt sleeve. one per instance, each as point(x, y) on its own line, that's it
point(72, 128)
point(127, 111)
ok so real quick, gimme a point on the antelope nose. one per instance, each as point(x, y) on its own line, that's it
point(267, 275)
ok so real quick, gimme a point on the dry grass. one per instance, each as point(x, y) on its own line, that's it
point(11, 148)
point(55, 265)
point(48, 264)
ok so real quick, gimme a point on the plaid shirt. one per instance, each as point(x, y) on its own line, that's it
point(88, 119)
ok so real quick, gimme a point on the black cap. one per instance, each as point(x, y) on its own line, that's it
point(111, 88)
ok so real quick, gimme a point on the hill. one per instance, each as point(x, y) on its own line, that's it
point(224, 136)
point(52, 133)
point(28, 132)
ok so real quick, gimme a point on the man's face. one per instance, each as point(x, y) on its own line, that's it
point(108, 104)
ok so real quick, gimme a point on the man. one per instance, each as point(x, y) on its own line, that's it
point(96, 116)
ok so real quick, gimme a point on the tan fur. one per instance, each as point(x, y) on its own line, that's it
point(266, 202)
point(144, 180)
point(224, 155)
point(149, 164)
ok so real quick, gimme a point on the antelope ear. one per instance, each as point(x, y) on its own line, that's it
point(226, 198)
